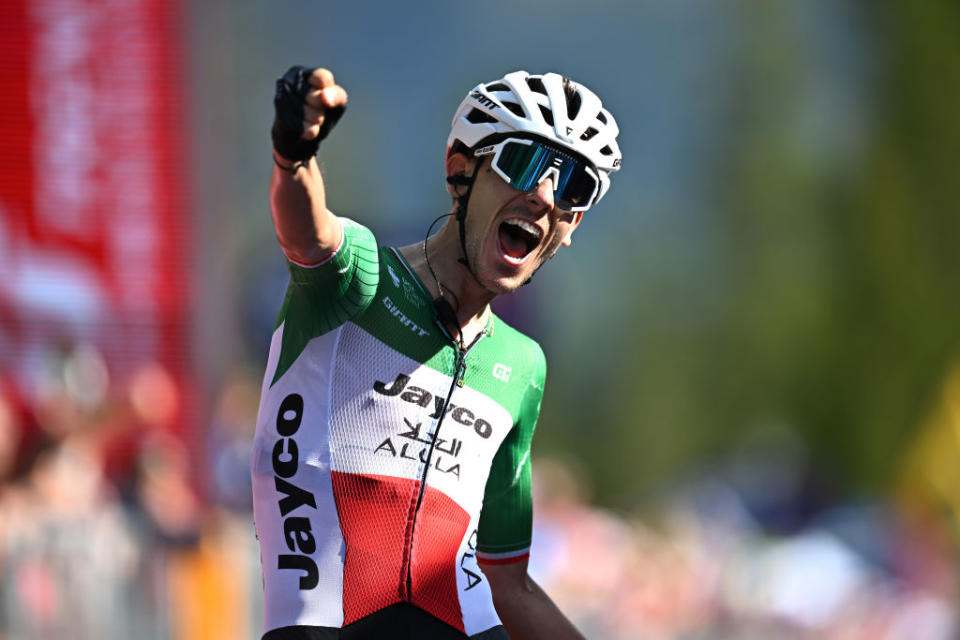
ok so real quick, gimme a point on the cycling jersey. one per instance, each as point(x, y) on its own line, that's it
point(379, 441)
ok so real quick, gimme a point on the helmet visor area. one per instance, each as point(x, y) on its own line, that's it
point(525, 163)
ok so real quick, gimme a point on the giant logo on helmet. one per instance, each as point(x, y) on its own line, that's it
point(486, 101)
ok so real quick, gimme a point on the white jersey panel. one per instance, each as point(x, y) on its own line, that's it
point(399, 418)
point(301, 546)
point(473, 589)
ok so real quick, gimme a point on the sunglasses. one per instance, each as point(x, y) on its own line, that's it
point(525, 163)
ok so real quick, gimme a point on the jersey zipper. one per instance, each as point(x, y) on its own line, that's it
point(458, 375)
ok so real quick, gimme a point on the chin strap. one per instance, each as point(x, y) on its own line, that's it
point(461, 212)
point(461, 180)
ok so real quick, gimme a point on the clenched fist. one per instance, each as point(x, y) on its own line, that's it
point(308, 103)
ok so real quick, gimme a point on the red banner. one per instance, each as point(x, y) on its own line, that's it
point(94, 218)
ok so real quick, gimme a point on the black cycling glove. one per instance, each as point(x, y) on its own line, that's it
point(288, 104)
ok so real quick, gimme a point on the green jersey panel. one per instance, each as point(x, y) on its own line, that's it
point(323, 297)
point(506, 521)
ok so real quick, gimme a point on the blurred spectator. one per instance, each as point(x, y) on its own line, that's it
point(164, 499)
point(66, 553)
point(11, 436)
point(229, 441)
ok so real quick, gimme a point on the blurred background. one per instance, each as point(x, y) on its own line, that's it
point(751, 426)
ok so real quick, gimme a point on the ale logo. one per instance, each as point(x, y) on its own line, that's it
point(408, 289)
point(393, 276)
point(501, 372)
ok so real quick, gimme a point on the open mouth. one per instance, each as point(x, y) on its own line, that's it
point(518, 239)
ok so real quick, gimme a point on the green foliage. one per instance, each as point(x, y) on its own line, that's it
point(834, 273)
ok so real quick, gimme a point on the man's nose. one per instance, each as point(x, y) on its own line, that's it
point(542, 195)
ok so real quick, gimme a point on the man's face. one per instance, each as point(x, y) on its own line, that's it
point(510, 233)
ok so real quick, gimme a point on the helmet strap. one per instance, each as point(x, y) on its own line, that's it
point(461, 212)
point(461, 216)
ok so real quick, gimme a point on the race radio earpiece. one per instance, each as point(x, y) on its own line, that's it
point(459, 180)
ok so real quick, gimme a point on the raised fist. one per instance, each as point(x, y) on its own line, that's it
point(308, 103)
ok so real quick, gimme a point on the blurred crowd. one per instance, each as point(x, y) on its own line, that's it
point(705, 562)
point(114, 523)
point(114, 526)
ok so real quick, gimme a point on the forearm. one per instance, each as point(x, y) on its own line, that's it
point(307, 231)
point(307, 104)
point(528, 613)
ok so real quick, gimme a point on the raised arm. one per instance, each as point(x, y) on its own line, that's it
point(308, 103)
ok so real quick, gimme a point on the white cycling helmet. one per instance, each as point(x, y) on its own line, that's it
point(550, 107)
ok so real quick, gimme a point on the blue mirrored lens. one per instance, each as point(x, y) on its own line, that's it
point(526, 164)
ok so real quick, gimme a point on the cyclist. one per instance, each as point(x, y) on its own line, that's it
point(391, 464)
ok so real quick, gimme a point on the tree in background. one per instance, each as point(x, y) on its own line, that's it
point(832, 290)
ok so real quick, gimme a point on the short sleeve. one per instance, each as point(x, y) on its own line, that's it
point(506, 521)
point(320, 298)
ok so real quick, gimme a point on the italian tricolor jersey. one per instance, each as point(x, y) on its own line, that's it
point(387, 463)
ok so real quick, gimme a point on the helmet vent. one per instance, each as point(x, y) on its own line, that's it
point(574, 101)
point(602, 118)
point(606, 151)
point(497, 86)
point(547, 114)
point(515, 108)
point(589, 133)
point(476, 117)
point(536, 85)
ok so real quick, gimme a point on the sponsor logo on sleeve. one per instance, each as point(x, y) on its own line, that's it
point(393, 276)
point(468, 563)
